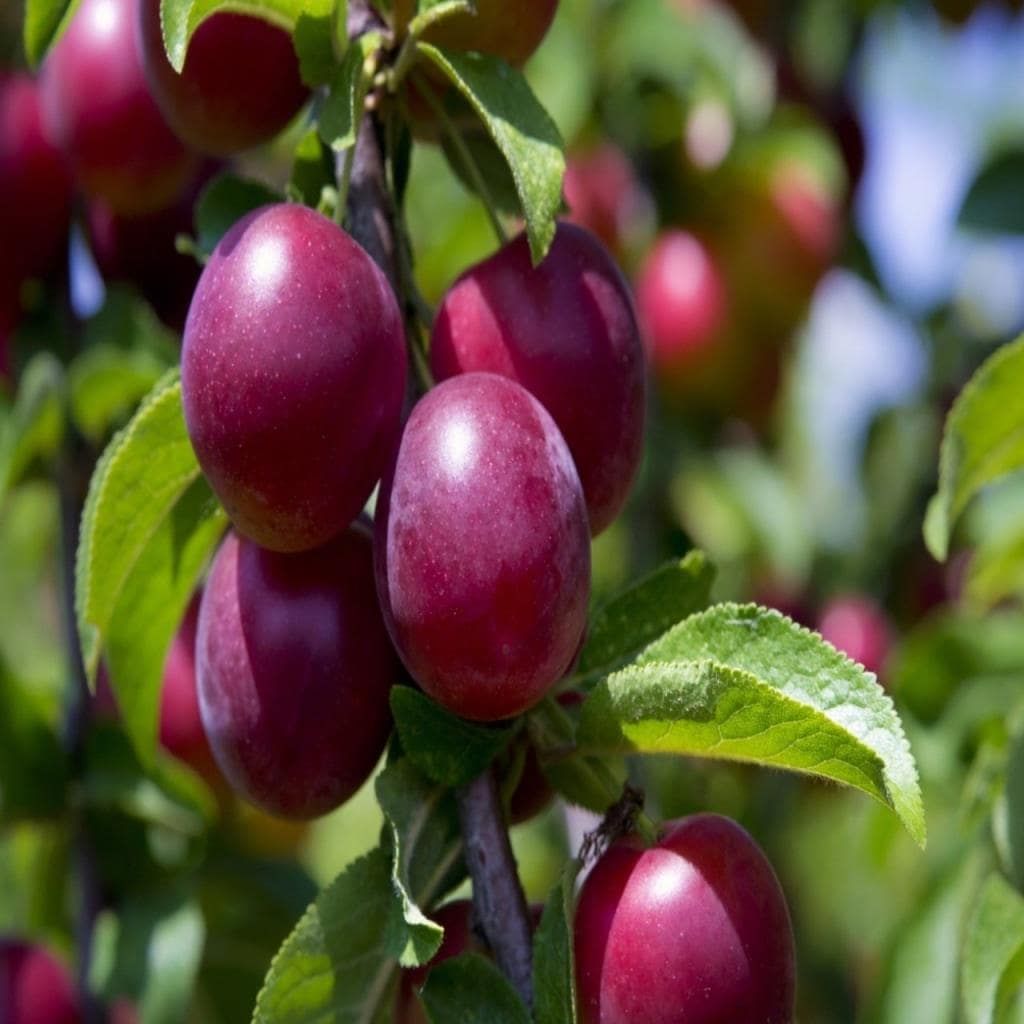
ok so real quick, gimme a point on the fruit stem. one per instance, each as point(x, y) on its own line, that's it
point(498, 900)
point(470, 164)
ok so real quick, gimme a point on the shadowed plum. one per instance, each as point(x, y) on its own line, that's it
point(858, 627)
point(482, 548)
point(566, 331)
point(293, 376)
point(294, 671)
point(98, 108)
point(239, 87)
point(694, 930)
point(604, 196)
point(35, 988)
point(35, 183)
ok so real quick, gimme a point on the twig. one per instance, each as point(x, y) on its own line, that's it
point(498, 900)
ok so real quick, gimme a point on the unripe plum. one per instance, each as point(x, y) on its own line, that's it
point(294, 670)
point(682, 302)
point(482, 548)
point(511, 31)
point(240, 84)
point(34, 987)
point(35, 183)
point(181, 726)
point(98, 108)
point(293, 376)
point(566, 331)
point(694, 930)
point(855, 625)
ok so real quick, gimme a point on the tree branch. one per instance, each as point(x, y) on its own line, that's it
point(498, 901)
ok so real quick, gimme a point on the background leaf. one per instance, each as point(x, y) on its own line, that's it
point(994, 200)
point(448, 749)
point(983, 441)
point(992, 963)
point(224, 202)
point(343, 109)
point(34, 427)
point(522, 130)
point(554, 969)
point(45, 20)
point(746, 683)
point(471, 990)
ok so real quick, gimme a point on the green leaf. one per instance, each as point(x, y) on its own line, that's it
point(994, 200)
point(224, 202)
point(446, 748)
point(554, 970)
point(983, 441)
point(1013, 799)
point(522, 130)
point(310, 21)
point(150, 951)
point(45, 20)
point(337, 964)
point(148, 526)
point(312, 171)
point(479, 149)
point(315, 39)
point(993, 959)
point(343, 109)
point(469, 989)
point(745, 683)
point(631, 620)
point(35, 425)
point(426, 847)
point(105, 383)
point(33, 768)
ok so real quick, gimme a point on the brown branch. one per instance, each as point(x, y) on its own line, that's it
point(499, 904)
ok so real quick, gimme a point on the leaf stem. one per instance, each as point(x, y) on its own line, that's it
point(472, 167)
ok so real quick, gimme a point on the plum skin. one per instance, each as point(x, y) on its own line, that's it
point(567, 332)
point(482, 548)
point(99, 110)
point(294, 671)
point(694, 930)
point(240, 85)
point(293, 376)
point(35, 987)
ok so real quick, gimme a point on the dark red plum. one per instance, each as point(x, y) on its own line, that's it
point(239, 87)
point(694, 930)
point(293, 376)
point(482, 548)
point(181, 725)
point(857, 626)
point(294, 671)
point(566, 331)
point(603, 194)
point(98, 108)
point(35, 988)
point(35, 183)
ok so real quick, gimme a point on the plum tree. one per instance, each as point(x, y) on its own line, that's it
point(510, 31)
point(98, 108)
point(294, 671)
point(682, 302)
point(293, 376)
point(482, 548)
point(855, 625)
point(694, 929)
point(455, 918)
point(181, 726)
point(566, 331)
point(35, 182)
point(34, 987)
point(240, 84)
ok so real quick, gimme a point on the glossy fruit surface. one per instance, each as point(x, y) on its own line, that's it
point(855, 625)
point(694, 930)
point(35, 988)
point(681, 301)
point(482, 548)
point(35, 184)
point(181, 727)
point(293, 376)
point(455, 918)
point(512, 31)
point(566, 331)
point(294, 670)
point(98, 108)
point(240, 85)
